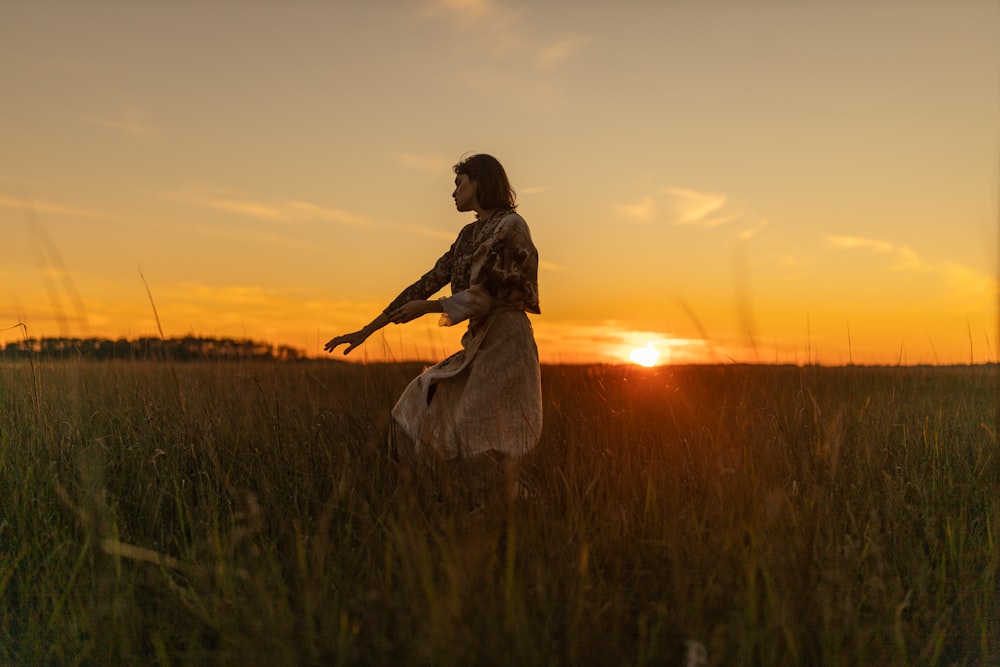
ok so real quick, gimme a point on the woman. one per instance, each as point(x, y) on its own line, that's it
point(485, 398)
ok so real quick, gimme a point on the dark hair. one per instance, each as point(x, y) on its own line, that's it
point(493, 190)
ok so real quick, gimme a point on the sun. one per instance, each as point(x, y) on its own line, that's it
point(645, 356)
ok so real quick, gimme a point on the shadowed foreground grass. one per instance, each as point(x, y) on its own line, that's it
point(224, 513)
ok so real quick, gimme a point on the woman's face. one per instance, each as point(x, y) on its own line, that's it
point(465, 193)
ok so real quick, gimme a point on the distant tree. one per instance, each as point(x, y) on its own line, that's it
point(188, 348)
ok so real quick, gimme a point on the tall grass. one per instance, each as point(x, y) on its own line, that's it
point(227, 513)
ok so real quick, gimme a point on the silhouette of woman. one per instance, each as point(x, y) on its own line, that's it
point(484, 400)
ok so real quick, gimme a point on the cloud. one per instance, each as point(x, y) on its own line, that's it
point(858, 242)
point(690, 207)
point(559, 52)
point(681, 206)
point(501, 29)
point(248, 208)
point(532, 190)
point(642, 211)
point(430, 163)
point(494, 26)
point(971, 281)
point(130, 119)
point(463, 11)
point(48, 207)
point(284, 212)
point(907, 260)
point(496, 48)
point(753, 227)
point(903, 258)
point(964, 279)
point(307, 211)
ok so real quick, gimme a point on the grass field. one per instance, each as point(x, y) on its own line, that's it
point(247, 514)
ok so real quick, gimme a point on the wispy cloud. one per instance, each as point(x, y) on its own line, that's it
point(497, 48)
point(908, 260)
point(682, 206)
point(971, 281)
point(40, 206)
point(306, 211)
point(283, 212)
point(964, 279)
point(504, 31)
point(430, 163)
point(751, 226)
point(641, 211)
point(463, 11)
point(495, 25)
point(248, 208)
point(858, 242)
point(130, 119)
point(697, 208)
point(532, 190)
point(903, 258)
point(560, 51)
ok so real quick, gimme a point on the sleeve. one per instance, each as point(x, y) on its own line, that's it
point(504, 272)
point(473, 302)
point(428, 284)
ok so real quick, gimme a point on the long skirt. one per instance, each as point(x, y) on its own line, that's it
point(487, 396)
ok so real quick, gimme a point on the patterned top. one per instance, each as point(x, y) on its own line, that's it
point(492, 265)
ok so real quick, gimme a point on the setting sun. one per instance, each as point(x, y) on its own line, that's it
point(645, 356)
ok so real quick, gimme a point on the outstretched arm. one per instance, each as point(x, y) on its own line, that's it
point(405, 313)
point(409, 305)
point(355, 338)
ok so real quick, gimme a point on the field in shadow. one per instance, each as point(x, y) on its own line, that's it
point(249, 513)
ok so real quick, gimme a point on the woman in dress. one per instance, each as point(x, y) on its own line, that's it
point(484, 400)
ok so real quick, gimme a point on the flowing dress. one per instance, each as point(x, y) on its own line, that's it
point(486, 396)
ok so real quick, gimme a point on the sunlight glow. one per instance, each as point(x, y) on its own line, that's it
point(645, 356)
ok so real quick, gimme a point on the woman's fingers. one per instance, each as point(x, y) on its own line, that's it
point(339, 340)
point(331, 347)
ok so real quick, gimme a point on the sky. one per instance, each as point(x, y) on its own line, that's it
point(717, 182)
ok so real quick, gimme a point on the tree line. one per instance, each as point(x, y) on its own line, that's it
point(188, 348)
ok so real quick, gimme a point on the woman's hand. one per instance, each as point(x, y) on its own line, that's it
point(413, 310)
point(352, 340)
point(405, 313)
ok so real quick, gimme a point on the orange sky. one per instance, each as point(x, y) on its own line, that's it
point(768, 181)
